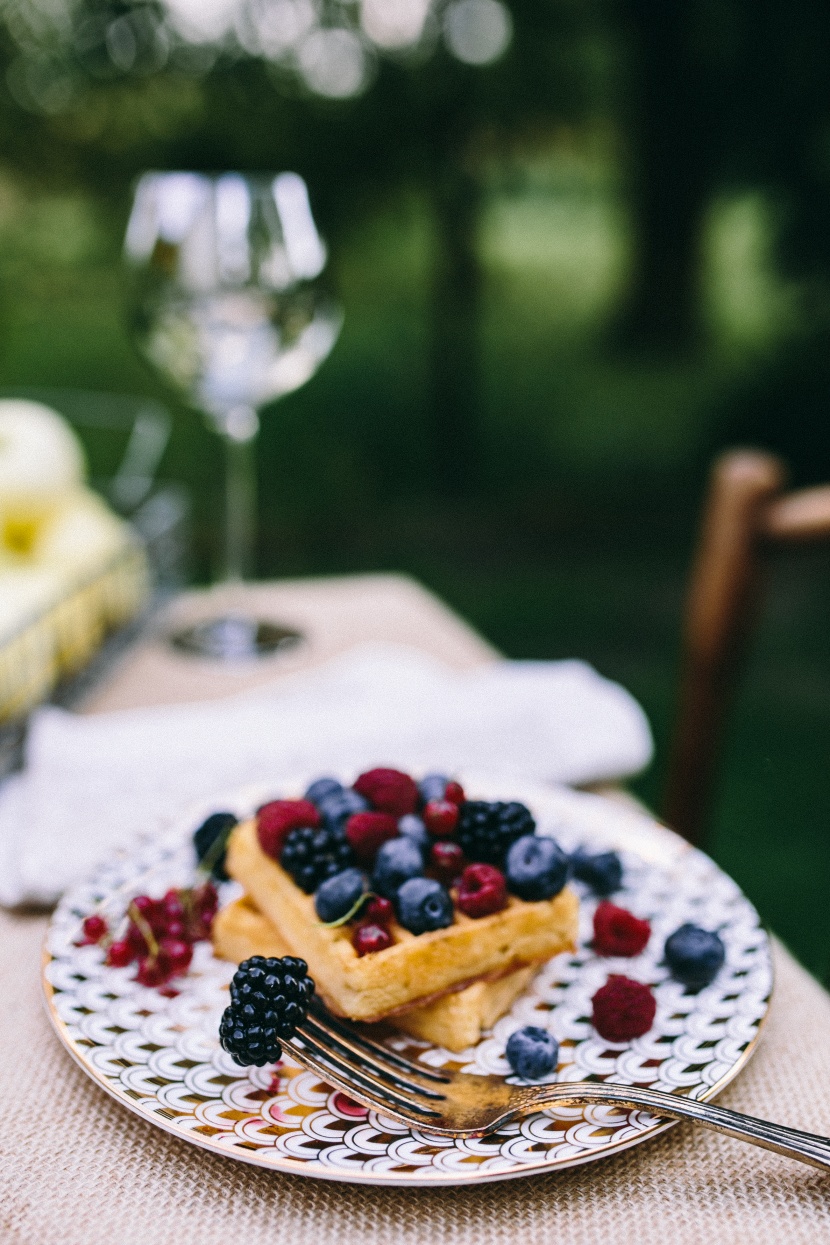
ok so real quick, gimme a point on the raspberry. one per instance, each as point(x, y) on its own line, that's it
point(367, 832)
point(454, 793)
point(441, 818)
point(618, 932)
point(94, 929)
point(447, 860)
point(482, 889)
point(368, 938)
point(276, 820)
point(388, 791)
point(623, 1009)
point(379, 911)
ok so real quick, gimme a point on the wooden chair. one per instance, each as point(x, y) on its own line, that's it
point(745, 513)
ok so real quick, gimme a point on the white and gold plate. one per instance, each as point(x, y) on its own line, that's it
point(159, 1054)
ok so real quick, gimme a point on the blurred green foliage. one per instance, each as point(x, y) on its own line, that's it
point(552, 497)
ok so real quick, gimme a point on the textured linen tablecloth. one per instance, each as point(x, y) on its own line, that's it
point(77, 1169)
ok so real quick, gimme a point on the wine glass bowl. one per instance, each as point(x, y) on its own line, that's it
point(229, 303)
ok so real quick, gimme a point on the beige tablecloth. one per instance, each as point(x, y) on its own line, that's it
point(77, 1169)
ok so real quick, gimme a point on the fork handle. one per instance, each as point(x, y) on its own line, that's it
point(806, 1147)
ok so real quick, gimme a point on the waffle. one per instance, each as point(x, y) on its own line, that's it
point(455, 1021)
point(415, 969)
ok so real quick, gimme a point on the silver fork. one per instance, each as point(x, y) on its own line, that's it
point(461, 1104)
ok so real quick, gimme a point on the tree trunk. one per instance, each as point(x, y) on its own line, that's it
point(671, 135)
point(455, 365)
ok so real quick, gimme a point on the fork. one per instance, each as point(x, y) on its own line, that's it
point(462, 1104)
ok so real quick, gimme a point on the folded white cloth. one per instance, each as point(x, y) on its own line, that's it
point(92, 783)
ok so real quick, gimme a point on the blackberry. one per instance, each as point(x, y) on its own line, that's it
point(487, 830)
point(269, 998)
point(312, 856)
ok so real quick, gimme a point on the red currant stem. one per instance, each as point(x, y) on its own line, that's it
point(353, 911)
point(146, 933)
point(186, 896)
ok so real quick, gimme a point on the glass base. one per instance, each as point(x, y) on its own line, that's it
point(234, 637)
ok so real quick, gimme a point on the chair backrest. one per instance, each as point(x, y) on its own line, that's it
point(744, 512)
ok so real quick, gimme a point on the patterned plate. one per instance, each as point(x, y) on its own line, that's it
point(161, 1058)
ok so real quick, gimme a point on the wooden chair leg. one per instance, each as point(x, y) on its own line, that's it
point(719, 612)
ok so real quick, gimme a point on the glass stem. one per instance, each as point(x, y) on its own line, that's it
point(239, 430)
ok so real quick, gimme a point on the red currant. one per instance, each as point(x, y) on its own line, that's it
point(454, 793)
point(482, 889)
point(379, 911)
point(152, 971)
point(120, 954)
point(176, 929)
point(176, 953)
point(173, 907)
point(368, 938)
point(441, 817)
point(136, 939)
point(447, 859)
point(94, 927)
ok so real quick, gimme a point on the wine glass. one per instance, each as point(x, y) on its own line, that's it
point(229, 304)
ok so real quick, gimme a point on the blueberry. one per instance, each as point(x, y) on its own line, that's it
point(396, 862)
point(602, 872)
point(412, 827)
point(338, 895)
point(423, 904)
point(536, 868)
point(694, 955)
point(322, 788)
point(338, 807)
point(433, 787)
point(532, 1052)
point(210, 840)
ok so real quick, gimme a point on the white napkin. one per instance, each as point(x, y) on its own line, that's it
point(93, 783)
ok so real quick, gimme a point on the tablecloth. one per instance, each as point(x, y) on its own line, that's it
point(77, 1169)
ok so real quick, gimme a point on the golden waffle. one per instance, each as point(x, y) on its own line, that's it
point(419, 968)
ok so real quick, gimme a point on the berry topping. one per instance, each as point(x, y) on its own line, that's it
point(455, 793)
point(422, 905)
point(447, 860)
point(618, 931)
point(602, 872)
point(623, 1009)
point(694, 955)
point(338, 807)
point(379, 911)
point(368, 938)
point(486, 831)
point(210, 841)
point(367, 832)
point(396, 862)
point(388, 790)
point(276, 820)
point(482, 889)
point(269, 998)
point(412, 827)
point(432, 787)
point(536, 868)
point(322, 788)
point(441, 818)
point(532, 1052)
point(311, 856)
point(94, 929)
point(338, 897)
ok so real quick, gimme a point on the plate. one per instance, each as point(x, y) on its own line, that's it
point(159, 1054)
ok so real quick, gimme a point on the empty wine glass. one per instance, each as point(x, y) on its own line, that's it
point(228, 303)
